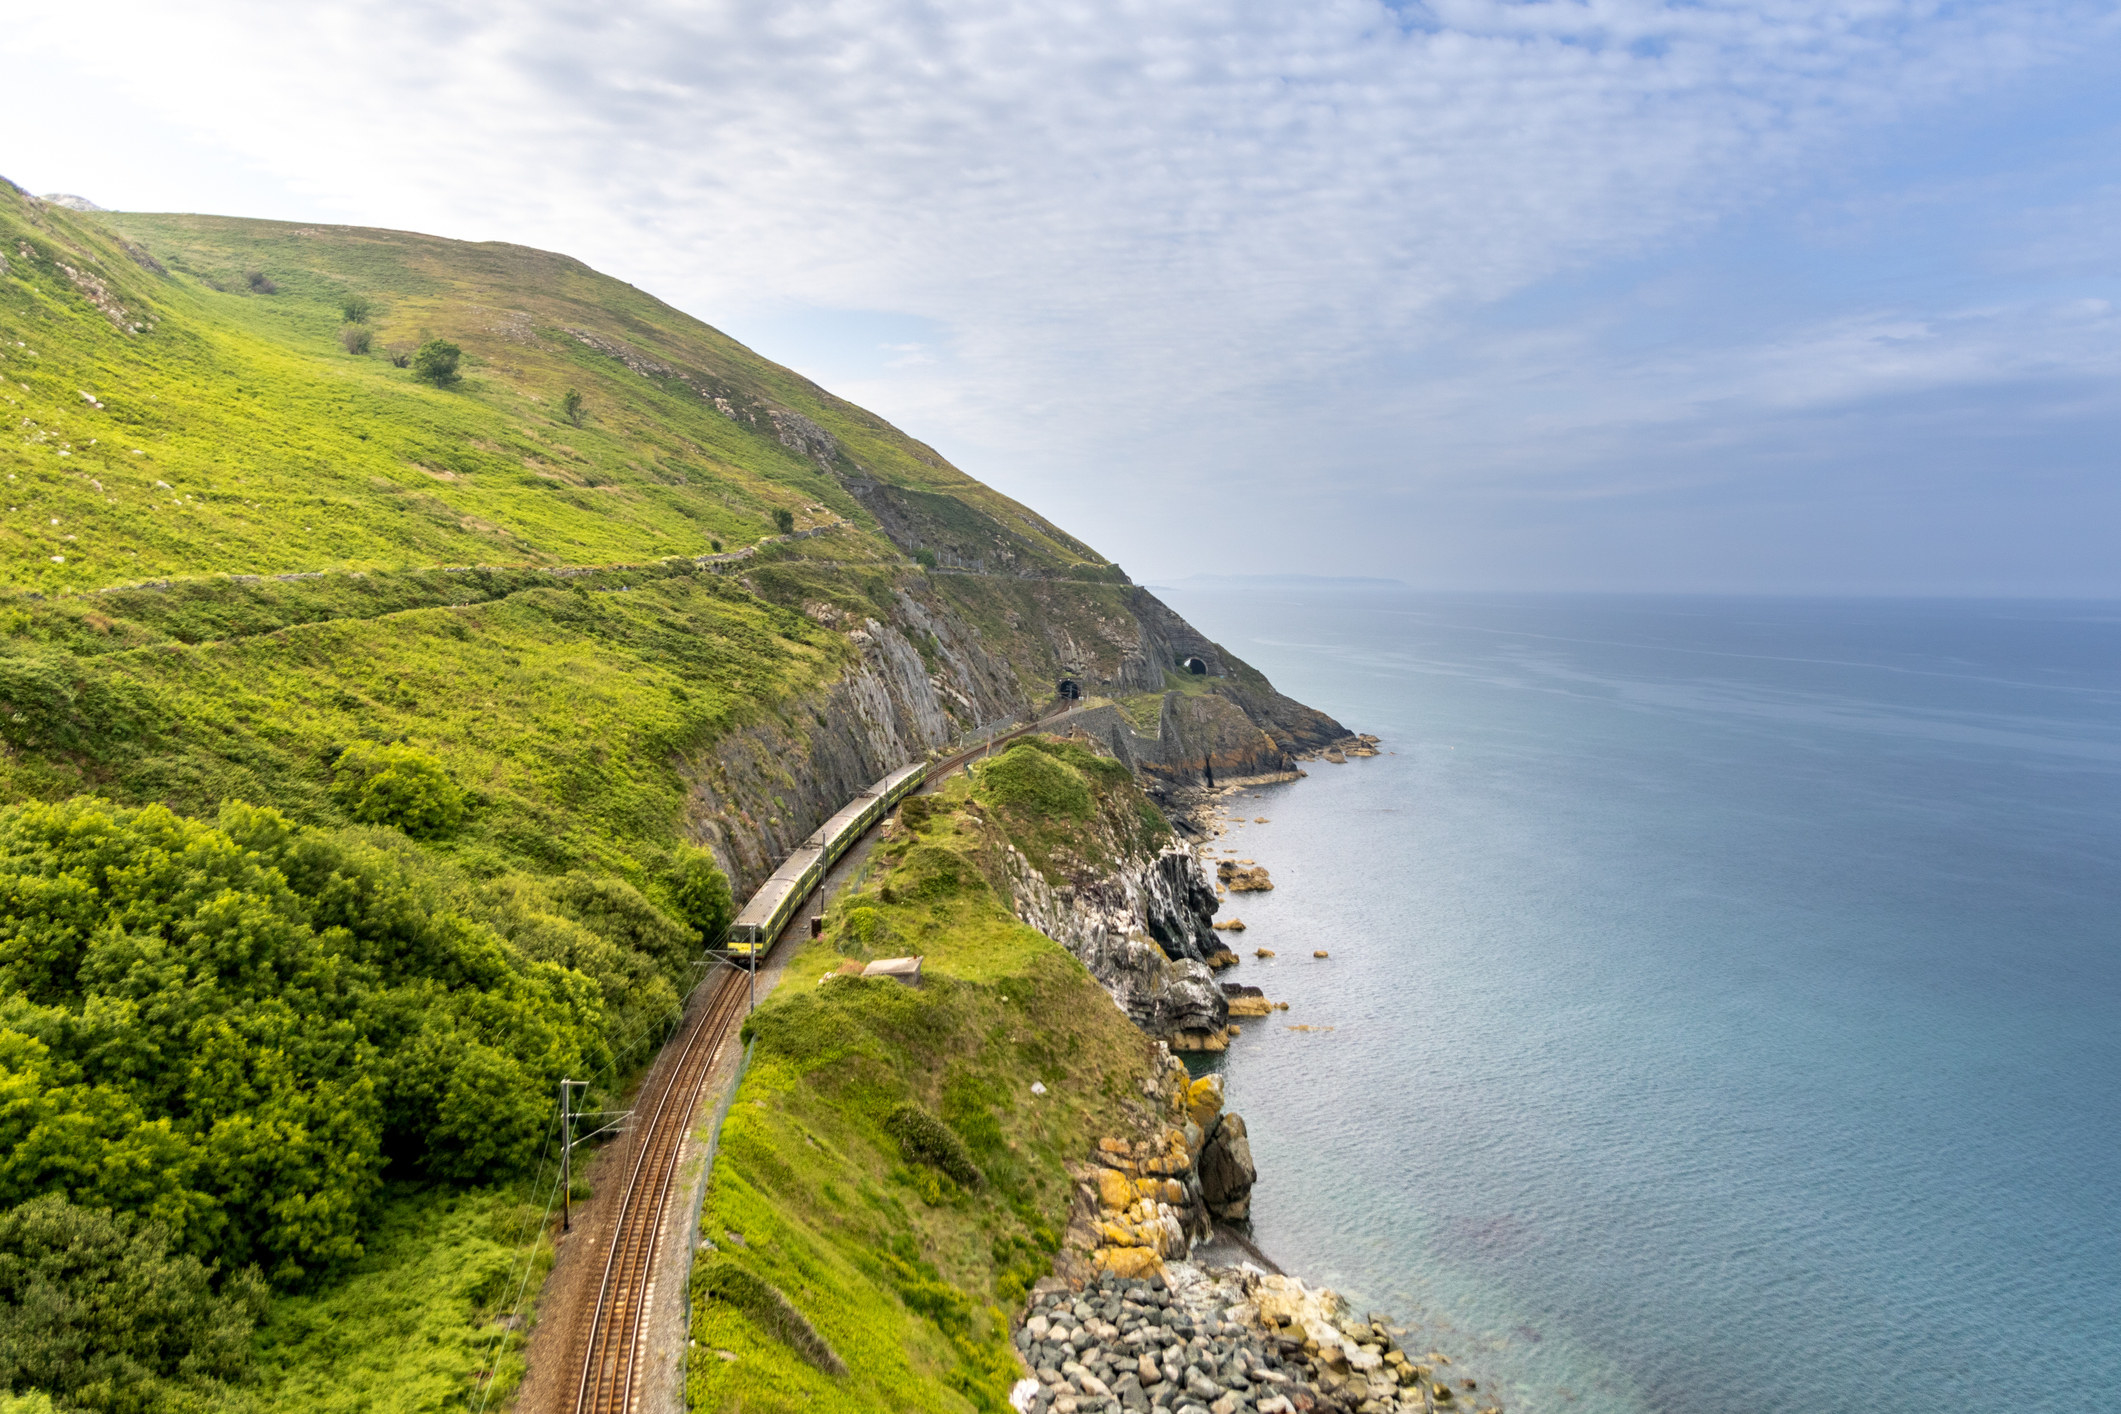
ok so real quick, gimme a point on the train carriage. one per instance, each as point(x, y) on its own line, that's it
point(777, 900)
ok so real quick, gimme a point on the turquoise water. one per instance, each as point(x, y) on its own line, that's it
point(1725, 994)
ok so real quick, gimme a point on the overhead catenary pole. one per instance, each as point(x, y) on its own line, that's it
point(566, 1154)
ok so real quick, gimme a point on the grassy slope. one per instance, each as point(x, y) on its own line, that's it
point(904, 1272)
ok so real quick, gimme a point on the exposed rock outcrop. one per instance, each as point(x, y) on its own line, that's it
point(1227, 1172)
point(1163, 986)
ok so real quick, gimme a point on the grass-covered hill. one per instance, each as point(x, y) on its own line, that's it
point(188, 402)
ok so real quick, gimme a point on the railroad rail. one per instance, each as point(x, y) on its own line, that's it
point(613, 1355)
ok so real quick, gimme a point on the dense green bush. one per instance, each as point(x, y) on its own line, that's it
point(355, 338)
point(784, 520)
point(99, 1310)
point(436, 362)
point(927, 1140)
point(701, 891)
point(232, 1030)
point(390, 783)
point(356, 309)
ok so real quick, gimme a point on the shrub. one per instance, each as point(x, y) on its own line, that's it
point(259, 281)
point(621, 913)
point(354, 339)
point(436, 362)
point(356, 309)
point(400, 355)
point(98, 1310)
point(397, 785)
point(717, 546)
point(927, 1140)
point(924, 558)
point(784, 520)
point(701, 891)
point(571, 406)
point(723, 1280)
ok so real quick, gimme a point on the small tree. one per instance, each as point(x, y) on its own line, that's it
point(784, 520)
point(436, 361)
point(354, 339)
point(717, 546)
point(924, 558)
point(356, 309)
point(571, 406)
point(261, 282)
point(400, 355)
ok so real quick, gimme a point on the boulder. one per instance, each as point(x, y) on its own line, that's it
point(1129, 1262)
point(1115, 1191)
point(1226, 1170)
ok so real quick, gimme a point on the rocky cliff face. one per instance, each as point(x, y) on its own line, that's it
point(1142, 930)
point(936, 656)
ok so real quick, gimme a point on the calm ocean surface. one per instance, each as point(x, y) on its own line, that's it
point(1725, 995)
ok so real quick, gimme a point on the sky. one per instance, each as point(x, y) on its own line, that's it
point(1791, 296)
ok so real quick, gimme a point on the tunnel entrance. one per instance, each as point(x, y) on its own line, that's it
point(1070, 690)
point(1196, 667)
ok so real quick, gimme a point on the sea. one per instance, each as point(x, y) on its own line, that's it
point(1722, 1008)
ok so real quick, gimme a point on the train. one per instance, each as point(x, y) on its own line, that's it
point(776, 901)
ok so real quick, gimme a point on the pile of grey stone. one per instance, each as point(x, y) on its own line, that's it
point(1143, 1344)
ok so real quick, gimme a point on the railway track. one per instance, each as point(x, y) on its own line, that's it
point(613, 1354)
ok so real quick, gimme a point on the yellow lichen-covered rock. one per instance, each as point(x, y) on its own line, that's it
point(1174, 1192)
point(1114, 1146)
point(1230, 925)
point(1262, 952)
point(1149, 1188)
point(1129, 1262)
point(1115, 1191)
point(1250, 1006)
point(1204, 1099)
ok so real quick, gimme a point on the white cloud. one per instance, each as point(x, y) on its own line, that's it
point(1154, 234)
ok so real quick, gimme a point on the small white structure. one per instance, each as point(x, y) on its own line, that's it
point(906, 969)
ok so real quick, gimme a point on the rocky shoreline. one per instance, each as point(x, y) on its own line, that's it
point(1130, 1321)
point(1194, 1340)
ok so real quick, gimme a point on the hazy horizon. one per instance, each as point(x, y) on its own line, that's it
point(1618, 297)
